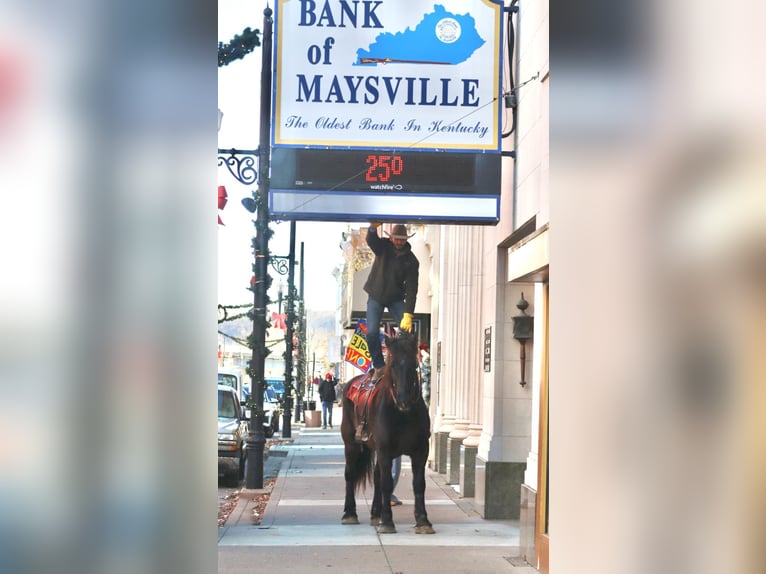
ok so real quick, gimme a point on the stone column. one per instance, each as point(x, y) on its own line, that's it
point(455, 439)
point(468, 452)
point(433, 446)
point(442, 436)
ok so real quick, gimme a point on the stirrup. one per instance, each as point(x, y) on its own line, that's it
point(361, 434)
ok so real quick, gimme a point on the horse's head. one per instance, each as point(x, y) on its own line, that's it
point(403, 369)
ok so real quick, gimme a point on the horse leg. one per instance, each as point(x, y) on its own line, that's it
point(352, 462)
point(376, 499)
point(422, 525)
point(386, 481)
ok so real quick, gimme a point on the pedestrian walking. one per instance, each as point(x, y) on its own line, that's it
point(327, 396)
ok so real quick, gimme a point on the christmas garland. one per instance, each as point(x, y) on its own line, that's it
point(245, 343)
point(239, 46)
point(224, 311)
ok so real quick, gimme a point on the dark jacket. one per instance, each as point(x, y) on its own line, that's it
point(327, 390)
point(394, 274)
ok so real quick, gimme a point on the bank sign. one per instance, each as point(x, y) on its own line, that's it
point(402, 87)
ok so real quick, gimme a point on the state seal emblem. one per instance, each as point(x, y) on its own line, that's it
point(448, 30)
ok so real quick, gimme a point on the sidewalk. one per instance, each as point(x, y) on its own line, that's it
point(301, 530)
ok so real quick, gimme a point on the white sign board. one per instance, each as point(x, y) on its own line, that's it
point(409, 74)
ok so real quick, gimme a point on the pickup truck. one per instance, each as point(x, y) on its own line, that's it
point(272, 410)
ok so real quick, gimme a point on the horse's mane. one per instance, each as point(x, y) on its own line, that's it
point(403, 343)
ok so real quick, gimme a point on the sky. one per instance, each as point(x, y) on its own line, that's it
point(238, 99)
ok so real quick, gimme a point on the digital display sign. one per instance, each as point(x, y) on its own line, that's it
point(385, 170)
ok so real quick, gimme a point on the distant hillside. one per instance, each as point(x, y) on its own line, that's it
point(241, 328)
point(315, 321)
point(320, 326)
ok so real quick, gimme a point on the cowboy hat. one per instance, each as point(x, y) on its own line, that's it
point(399, 232)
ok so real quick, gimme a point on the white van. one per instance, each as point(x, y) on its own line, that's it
point(232, 377)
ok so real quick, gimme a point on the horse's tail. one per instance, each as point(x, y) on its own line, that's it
point(363, 467)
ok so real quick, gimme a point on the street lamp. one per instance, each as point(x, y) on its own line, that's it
point(284, 265)
point(256, 439)
point(286, 430)
point(240, 164)
point(301, 338)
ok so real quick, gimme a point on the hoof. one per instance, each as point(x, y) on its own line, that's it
point(425, 529)
point(374, 520)
point(386, 529)
point(349, 520)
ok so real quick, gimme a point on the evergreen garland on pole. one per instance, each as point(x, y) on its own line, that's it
point(239, 46)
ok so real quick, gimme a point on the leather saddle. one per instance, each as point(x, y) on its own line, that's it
point(360, 392)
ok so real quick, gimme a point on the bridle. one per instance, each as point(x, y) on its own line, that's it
point(414, 390)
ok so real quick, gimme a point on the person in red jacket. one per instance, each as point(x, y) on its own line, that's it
point(392, 284)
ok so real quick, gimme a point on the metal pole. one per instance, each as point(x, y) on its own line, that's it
point(255, 438)
point(301, 374)
point(313, 374)
point(286, 430)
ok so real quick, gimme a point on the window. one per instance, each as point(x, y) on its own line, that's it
point(228, 380)
point(226, 405)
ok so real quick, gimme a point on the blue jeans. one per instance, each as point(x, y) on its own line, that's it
point(396, 469)
point(326, 413)
point(374, 315)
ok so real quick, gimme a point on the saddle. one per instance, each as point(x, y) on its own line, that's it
point(361, 392)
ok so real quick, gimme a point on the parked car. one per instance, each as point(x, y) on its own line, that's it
point(278, 386)
point(232, 433)
point(272, 410)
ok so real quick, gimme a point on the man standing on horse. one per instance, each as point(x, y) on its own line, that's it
point(392, 284)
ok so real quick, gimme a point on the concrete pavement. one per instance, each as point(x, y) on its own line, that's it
point(301, 530)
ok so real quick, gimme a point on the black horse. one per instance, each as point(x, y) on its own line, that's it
point(398, 423)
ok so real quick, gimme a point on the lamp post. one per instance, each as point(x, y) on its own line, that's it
point(286, 429)
point(301, 370)
point(256, 439)
point(286, 265)
point(240, 164)
point(313, 374)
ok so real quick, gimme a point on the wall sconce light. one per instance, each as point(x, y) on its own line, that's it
point(523, 329)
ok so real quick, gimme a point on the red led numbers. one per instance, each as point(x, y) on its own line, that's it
point(382, 167)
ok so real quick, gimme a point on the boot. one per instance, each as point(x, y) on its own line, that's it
point(376, 375)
